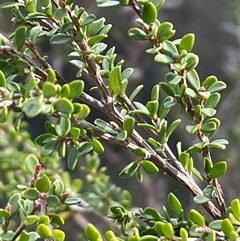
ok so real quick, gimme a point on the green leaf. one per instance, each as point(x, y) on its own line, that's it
point(183, 234)
point(43, 231)
point(204, 94)
point(140, 152)
point(208, 111)
point(209, 127)
point(97, 39)
point(140, 106)
point(76, 88)
point(127, 73)
point(165, 31)
point(147, 126)
point(139, 175)
point(98, 48)
point(233, 235)
point(51, 75)
point(191, 169)
point(58, 235)
point(60, 13)
point(122, 91)
point(53, 201)
point(163, 59)
point(115, 80)
point(5, 214)
point(158, 3)
point(72, 158)
point(167, 88)
point(20, 36)
point(85, 147)
point(44, 138)
point(169, 49)
point(10, 5)
point(97, 146)
point(8, 235)
point(149, 13)
point(128, 125)
point(174, 204)
point(72, 201)
point(89, 19)
point(58, 187)
point(31, 220)
point(94, 27)
point(187, 42)
point(66, 27)
point(128, 170)
point(184, 159)
point(48, 148)
point(30, 162)
point(44, 219)
point(219, 144)
point(209, 191)
point(92, 233)
point(217, 122)
point(32, 106)
point(109, 3)
point(43, 184)
point(152, 213)
point(166, 229)
point(191, 93)
point(192, 128)
point(3, 82)
point(163, 111)
point(172, 78)
point(137, 34)
point(216, 224)
point(227, 227)
point(155, 92)
point(105, 126)
point(163, 132)
point(218, 169)
point(24, 236)
point(3, 114)
point(217, 86)
point(210, 80)
point(149, 166)
point(57, 221)
point(49, 89)
point(207, 165)
point(60, 38)
point(172, 127)
point(31, 194)
point(211, 236)
point(196, 217)
point(13, 201)
point(62, 147)
point(63, 126)
point(64, 105)
point(122, 136)
point(34, 33)
point(152, 107)
point(235, 205)
point(191, 61)
point(75, 133)
point(193, 79)
point(83, 113)
point(212, 100)
point(135, 92)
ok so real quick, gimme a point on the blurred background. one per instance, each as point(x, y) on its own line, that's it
point(216, 25)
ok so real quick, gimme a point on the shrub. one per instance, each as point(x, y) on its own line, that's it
point(40, 194)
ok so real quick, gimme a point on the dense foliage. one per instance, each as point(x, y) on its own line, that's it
point(40, 195)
